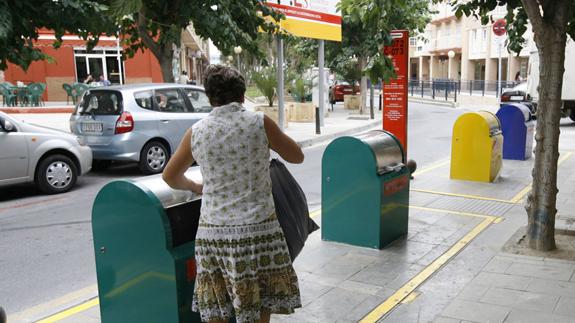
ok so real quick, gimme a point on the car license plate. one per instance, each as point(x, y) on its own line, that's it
point(516, 98)
point(93, 127)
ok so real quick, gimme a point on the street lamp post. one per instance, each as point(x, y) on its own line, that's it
point(238, 51)
point(451, 55)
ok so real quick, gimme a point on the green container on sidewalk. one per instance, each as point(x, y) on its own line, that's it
point(365, 190)
point(144, 235)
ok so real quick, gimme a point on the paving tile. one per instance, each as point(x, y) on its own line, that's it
point(540, 271)
point(566, 306)
point(408, 251)
point(360, 287)
point(502, 280)
point(80, 318)
point(527, 316)
point(520, 299)
point(473, 292)
point(334, 305)
point(311, 290)
point(477, 312)
point(443, 319)
point(552, 287)
point(498, 265)
point(404, 277)
point(362, 309)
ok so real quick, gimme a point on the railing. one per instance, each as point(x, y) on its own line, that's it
point(449, 90)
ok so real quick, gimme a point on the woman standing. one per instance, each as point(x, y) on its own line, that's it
point(243, 264)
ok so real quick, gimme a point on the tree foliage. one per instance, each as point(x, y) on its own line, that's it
point(21, 21)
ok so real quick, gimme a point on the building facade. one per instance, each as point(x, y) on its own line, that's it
point(474, 49)
point(72, 63)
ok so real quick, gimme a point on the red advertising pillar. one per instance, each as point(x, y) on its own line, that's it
point(395, 91)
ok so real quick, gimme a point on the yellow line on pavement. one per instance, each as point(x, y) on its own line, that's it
point(431, 167)
point(517, 198)
point(420, 278)
point(315, 213)
point(71, 311)
point(475, 197)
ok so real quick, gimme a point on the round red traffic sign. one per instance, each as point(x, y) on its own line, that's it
point(499, 27)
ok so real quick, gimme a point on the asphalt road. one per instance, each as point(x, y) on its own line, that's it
point(46, 248)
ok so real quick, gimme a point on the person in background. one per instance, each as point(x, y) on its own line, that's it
point(89, 79)
point(192, 80)
point(184, 78)
point(104, 81)
point(518, 77)
point(243, 264)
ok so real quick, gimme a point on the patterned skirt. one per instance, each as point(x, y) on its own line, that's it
point(243, 270)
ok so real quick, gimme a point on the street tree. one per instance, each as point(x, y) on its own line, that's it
point(22, 20)
point(158, 24)
point(366, 27)
point(552, 22)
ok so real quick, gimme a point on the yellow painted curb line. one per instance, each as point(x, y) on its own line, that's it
point(71, 311)
point(407, 289)
point(432, 167)
point(475, 197)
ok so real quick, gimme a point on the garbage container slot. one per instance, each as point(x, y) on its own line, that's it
point(387, 150)
point(168, 196)
point(184, 219)
point(492, 122)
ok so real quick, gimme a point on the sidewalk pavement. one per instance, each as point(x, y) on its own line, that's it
point(451, 267)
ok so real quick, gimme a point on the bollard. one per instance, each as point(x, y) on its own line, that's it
point(421, 88)
point(470, 87)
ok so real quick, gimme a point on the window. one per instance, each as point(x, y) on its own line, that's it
point(144, 99)
point(107, 63)
point(99, 102)
point(170, 100)
point(199, 100)
point(413, 41)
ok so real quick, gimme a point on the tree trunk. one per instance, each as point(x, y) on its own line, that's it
point(541, 203)
point(363, 84)
point(165, 60)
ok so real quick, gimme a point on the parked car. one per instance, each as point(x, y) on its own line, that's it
point(340, 88)
point(52, 159)
point(519, 94)
point(141, 123)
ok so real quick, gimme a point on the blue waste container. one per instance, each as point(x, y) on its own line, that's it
point(518, 130)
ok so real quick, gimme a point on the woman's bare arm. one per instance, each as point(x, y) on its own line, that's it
point(180, 162)
point(286, 147)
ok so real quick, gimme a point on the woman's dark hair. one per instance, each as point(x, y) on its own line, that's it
point(224, 85)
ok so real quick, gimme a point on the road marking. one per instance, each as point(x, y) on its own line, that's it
point(315, 213)
point(23, 205)
point(71, 311)
point(475, 197)
point(477, 215)
point(407, 289)
point(410, 298)
point(517, 198)
point(431, 167)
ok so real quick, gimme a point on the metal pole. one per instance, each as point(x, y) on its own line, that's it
point(280, 71)
point(371, 113)
point(321, 80)
point(499, 73)
point(317, 118)
point(119, 59)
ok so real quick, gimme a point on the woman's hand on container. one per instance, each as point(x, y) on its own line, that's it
point(281, 143)
point(174, 173)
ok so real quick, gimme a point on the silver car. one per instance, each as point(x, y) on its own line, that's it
point(50, 158)
point(141, 123)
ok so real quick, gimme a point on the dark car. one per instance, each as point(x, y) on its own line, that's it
point(340, 88)
point(518, 94)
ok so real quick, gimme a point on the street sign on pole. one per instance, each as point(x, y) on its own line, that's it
point(499, 29)
point(395, 91)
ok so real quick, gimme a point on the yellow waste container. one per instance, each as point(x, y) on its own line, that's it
point(476, 147)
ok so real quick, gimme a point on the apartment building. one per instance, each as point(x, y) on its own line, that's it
point(463, 49)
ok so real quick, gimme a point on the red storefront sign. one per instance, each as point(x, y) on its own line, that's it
point(395, 91)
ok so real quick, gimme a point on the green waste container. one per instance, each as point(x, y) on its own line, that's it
point(365, 190)
point(144, 235)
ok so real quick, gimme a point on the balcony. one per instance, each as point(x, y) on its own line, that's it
point(445, 13)
point(446, 43)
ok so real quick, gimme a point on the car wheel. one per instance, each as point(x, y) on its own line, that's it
point(56, 174)
point(572, 114)
point(153, 158)
point(98, 165)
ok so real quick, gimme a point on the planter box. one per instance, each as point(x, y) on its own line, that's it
point(273, 113)
point(300, 112)
point(351, 102)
